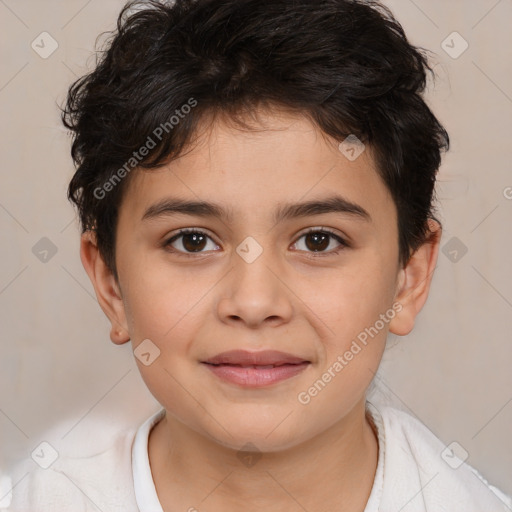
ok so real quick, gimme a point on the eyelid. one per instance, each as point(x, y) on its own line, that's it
point(324, 229)
point(184, 231)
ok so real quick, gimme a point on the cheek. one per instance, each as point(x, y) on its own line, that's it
point(353, 348)
point(358, 295)
point(357, 307)
point(166, 308)
point(167, 317)
point(160, 298)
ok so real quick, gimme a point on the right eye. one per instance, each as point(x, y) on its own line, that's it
point(191, 240)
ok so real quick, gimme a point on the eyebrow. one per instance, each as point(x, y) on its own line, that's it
point(334, 204)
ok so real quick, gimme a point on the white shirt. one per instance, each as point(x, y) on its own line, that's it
point(415, 473)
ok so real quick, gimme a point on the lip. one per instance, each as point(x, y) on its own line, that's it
point(262, 358)
point(255, 369)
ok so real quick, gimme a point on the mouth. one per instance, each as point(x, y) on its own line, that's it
point(249, 359)
point(259, 366)
point(255, 369)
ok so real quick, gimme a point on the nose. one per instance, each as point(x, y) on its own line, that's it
point(255, 294)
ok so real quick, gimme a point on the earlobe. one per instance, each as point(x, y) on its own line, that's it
point(105, 286)
point(414, 281)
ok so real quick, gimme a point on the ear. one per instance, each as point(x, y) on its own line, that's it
point(414, 281)
point(106, 288)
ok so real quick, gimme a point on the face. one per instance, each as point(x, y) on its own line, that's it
point(310, 285)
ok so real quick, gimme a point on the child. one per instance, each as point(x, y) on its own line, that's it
point(255, 184)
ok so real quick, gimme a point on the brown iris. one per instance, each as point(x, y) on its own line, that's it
point(194, 241)
point(320, 241)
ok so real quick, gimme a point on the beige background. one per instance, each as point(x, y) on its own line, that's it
point(58, 368)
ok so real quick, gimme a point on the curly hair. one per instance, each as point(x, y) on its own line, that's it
point(345, 64)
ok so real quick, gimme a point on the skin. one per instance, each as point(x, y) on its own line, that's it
point(319, 456)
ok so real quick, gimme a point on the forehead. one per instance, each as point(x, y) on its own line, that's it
point(284, 159)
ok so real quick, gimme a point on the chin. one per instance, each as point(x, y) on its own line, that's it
point(266, 436)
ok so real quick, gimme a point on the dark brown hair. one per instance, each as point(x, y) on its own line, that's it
point(345, 64)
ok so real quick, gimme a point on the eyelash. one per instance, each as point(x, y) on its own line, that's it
point(344, 245)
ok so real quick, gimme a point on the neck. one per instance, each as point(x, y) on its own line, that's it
point(333, 470)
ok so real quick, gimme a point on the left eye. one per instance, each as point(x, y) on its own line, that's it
point(318, 240)
point(193, 241)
